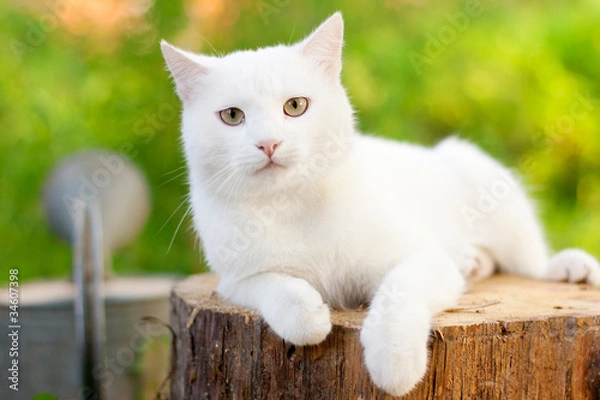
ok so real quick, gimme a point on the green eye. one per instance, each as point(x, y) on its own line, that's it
point(232, 116)
point(296, 106)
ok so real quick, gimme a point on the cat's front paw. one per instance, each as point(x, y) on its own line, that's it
point(395, 355)
point(574, 265)
point(300, 316)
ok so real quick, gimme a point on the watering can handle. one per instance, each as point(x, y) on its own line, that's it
point(88, 273)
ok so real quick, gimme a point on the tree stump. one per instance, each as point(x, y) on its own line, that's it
point(509, 338)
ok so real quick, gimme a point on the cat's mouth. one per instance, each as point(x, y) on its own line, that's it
point(270, 166)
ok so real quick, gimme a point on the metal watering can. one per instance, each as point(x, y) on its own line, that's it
point(87, 339)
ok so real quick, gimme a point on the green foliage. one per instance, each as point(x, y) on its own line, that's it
point(44, 396)
point(521, 79)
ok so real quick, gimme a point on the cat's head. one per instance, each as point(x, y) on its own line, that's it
point(259, 121)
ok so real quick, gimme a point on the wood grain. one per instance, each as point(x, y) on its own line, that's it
point(509, 338)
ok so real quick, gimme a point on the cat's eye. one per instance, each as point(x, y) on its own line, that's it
point(296, 106)
point(232, 116)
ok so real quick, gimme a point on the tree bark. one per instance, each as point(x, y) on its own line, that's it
point(509, 338)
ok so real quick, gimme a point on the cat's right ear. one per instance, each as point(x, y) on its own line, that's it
point(185, 70)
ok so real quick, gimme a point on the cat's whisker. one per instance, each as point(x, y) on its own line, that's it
point(185, 200)
point(215, 52)
point(224, 178)
point(178, 226)
point(179, 175)
point(218, 176)
point(225, 181)
point(236, 186)
point(293, 31)
point(174, 170)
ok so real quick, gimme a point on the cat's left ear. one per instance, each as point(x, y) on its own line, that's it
point(324, 45)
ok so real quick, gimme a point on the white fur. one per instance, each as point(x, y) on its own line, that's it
point(344, 218)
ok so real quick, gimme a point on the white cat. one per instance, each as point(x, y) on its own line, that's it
point(298, 212)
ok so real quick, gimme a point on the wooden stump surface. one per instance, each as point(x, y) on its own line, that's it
point(509, 338)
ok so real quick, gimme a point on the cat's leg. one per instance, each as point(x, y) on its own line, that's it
point(291, 306)
point(520, 247)
point(496, 211)
point(501, 214)
point(395, 333)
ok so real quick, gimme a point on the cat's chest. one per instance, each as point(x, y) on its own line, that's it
point(261, 238)
point(305, 237)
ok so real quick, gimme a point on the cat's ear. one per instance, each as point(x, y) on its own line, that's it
point(324, 45)
point(185, 70)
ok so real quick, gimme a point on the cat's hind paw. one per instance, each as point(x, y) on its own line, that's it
point(476, 263)
point(574, 265)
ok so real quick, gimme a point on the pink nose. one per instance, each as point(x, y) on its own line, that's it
point(268, 146)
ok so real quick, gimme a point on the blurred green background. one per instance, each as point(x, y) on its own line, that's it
point(521, 79)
